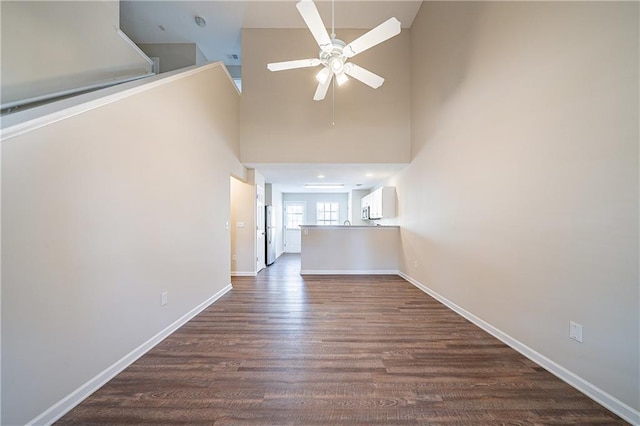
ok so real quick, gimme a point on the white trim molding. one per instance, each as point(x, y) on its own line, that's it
point(349, 272)
point(66, 404)
point(601, 397)
point(94, 86)
point(243, 274)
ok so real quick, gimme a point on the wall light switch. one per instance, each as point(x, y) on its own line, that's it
point(164, 299)
point(239, 224)
point(306, 232)
point(575, 331)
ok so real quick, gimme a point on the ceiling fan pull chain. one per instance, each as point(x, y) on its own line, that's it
point(333, 102)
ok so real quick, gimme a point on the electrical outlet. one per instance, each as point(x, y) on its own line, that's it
point(234, 257)
point(575, 331)
point(164, 299)
point(415, 263)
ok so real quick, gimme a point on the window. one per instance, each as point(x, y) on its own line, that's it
point(295, 214)
point(327, 213)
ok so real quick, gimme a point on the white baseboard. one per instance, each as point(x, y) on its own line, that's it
point(243, 274)
point(349, 272)
point(65, 405)
point(605, 399)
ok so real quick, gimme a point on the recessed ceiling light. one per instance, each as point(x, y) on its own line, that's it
point(369, 175)
point(320, 176)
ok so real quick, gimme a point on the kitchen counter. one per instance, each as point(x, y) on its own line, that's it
point(349, 226)
point(349, 249)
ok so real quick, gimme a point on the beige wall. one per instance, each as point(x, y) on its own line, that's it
point(521, 202)
point(50, 46)
point(102, 212)
point(280, 122)
point(172, 56)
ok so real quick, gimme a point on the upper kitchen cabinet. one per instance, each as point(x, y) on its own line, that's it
point(381, 202)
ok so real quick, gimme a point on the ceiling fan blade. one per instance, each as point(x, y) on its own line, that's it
point(289, 65)
point(365, 76)
point(313, 20)
point(383, 32)
point(322, 89)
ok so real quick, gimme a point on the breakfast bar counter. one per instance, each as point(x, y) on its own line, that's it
point(349, 249)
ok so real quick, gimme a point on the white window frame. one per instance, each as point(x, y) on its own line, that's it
point(301, 215)
point(333, 213)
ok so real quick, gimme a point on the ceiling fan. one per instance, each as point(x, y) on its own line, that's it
point(334, 53)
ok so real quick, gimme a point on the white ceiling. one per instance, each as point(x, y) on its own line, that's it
point(142, 20)
point(293, 177)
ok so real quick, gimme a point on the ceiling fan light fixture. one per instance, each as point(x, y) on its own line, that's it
point(336, 64)
point(334, 53)
point(323, 76)
point(341, 78)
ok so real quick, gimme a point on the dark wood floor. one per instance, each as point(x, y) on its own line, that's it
point(283, 350)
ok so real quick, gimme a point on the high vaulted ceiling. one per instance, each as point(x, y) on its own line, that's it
point(143, 20)
point(174, 22)
point(294, 177)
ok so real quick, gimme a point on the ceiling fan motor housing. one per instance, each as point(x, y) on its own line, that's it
point(334, 59)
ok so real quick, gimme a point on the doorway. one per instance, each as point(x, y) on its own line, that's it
point(294, 216)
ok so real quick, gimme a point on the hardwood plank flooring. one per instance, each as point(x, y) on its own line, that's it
point(280, 349)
